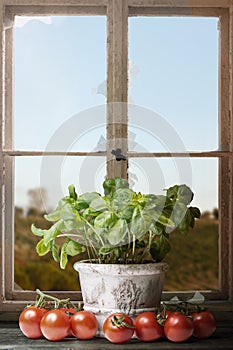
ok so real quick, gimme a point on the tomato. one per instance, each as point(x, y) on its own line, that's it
point(55, 325)
point(84, 325)
point(69, 311)
point(118, 328)
point(147, 327)
point(204, 324)
point(29, 321)
point(178, 327)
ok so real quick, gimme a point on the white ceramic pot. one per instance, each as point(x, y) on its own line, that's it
point(130, 288)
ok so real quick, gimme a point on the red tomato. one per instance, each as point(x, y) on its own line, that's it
point(147, 327)
point(84, 325)
point(29, 321)
point(178, 327)
point(69, 311)
point(204, 324)
point(55, 325)
point(118, 328)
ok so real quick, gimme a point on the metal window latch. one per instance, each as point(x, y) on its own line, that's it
point(117, 153)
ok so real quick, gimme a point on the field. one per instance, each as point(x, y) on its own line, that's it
point(193, 260)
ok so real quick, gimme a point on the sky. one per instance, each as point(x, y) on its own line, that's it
point(60, 92)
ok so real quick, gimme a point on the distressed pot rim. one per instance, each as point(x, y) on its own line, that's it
point(149, 268)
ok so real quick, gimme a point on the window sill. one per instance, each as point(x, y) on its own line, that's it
point(12, 338)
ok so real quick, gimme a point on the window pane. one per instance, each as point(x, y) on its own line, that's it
point(60, 70)
point(174, 71)
point(33, 197)
point(193, 260)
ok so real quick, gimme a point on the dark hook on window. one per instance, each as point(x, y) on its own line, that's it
point(117, 153)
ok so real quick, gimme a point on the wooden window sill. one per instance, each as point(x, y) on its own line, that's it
point(12, 338)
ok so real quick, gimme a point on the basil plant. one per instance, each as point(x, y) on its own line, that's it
point(119, 227)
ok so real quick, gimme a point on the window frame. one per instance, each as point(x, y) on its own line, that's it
point(117, 12)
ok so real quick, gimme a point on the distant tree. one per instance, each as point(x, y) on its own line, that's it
point(215, 213)
point(33, 212)
point(37, 198)
point(18, 211)
point(206, 214)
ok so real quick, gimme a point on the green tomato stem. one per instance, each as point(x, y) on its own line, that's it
point(119, 322)
point(58, 302)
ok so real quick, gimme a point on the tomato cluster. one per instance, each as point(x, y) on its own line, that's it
point(64, 320)
point(56, 319)
point(57, 324)
point(175, 325)
point(183, 322)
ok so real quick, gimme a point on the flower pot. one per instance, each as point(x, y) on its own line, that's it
point(130, 288)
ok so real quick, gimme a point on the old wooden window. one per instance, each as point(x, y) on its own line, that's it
point(119, 15)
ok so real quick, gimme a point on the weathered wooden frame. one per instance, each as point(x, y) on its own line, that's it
point(117, 12)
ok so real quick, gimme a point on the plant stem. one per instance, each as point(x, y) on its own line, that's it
point(133, 248)
point(88, 253)
point(50, 297)
point(92, 228)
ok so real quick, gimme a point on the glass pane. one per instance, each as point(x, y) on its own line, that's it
point(39, 183)
point(151, 132)
point(174, 72)
point(60, 70)
point(193, 260)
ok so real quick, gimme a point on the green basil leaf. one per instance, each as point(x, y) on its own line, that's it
point(73, 225)
point(154, 201)
point(52, 233)
point(98, 204)
point(54, 216)
point(63, 257)
point(178, 213)
point(160, 248)
point(111, 185)
point(180, 193)
point(126, 213)
point(172, 192)
point(195, 212)
point(117, 233)
point(105, 219)
point(72, 192)
point(42, 248)
point(121, 183)
point(80, 204)
point(55, 252)
point(88, 197)
point(37, 231)
point(185, 195)
point(140, 223)
point(122, 197)
point(185, 223)
point(167, 222)
point(73, 248)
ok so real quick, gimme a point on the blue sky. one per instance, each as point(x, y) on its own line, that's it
point(60, 69)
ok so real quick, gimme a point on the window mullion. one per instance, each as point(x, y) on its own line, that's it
point(9, 162)
point(231, 159)
point(55, 3)
point(117, 94)
point(1, 156)
point(179, 3)
point(224, 163)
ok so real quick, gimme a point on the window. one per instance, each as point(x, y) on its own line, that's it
point(122, 20)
